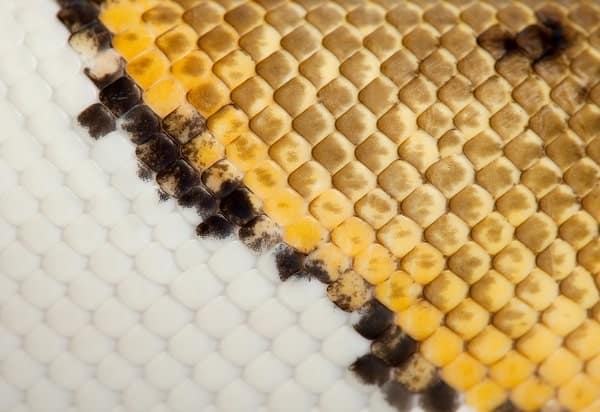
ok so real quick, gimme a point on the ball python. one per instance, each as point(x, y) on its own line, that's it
point(436, 164)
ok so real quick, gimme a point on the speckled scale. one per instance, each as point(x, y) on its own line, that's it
point(140, 123)
point(184, 123)
point(394, 346)
point(215, 226)
point(158, 152)
point(289, 262)
point(315, 270)
point(222, 178)
point(260, 234)
point(177, 179)
point(198, 198)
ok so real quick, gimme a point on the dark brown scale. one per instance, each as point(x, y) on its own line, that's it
point(158, 153)
point(198, 198)
point(507, 406)
point(183, 124)
point(289, 262)
point(75, 15)
point(257, 237)
point(121, 95)
point(497, 41)
point(178, 179)
point(238, 207)
point(141, 124)
point(397, 396)
point(375, 320)
point(98, 120)
point(440, 397)
point(371, 370)
point(561, 36)
point(215, 227)
point(534, 40)
point(394, 346)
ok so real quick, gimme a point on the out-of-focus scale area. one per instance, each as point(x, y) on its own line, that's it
point(108, 300)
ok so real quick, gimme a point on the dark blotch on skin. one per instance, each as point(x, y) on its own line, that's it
point(394, 346)
point(121, 95)
point(538, 42)
point(545, 41)
point(76, 15)
point(215, 227)
point(533, 40)
point(439, 398)
point(198, 198)
point(371, 370)
point(158, 153)
point(238, 208)
point(183, 176)
point(289, 262)
point(560, 37)
point(141, 124)
point(397, 395)
point(375, 320)
point(98, 120)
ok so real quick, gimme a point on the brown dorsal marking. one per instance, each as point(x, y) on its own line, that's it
point(545, 40)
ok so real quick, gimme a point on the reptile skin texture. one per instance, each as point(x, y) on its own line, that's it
point(435, 164)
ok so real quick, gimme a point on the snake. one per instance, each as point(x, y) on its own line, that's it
point(435, 164)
